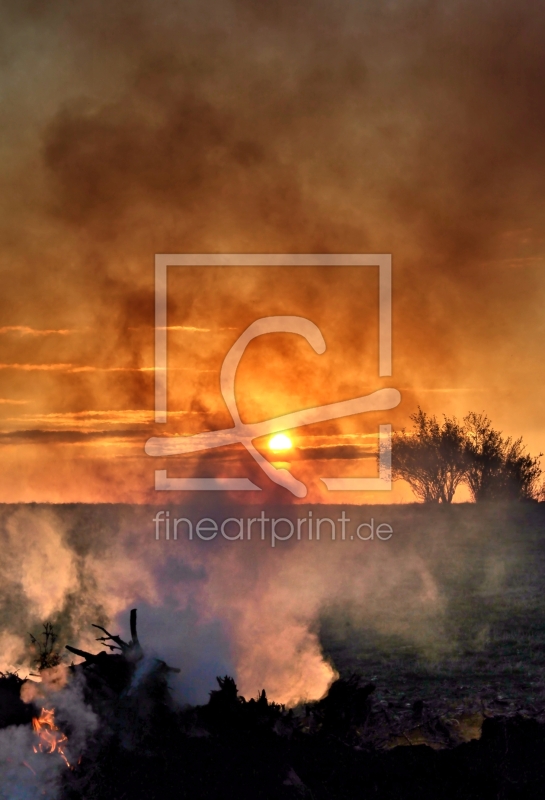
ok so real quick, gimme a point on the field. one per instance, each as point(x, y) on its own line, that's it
point(488, 653)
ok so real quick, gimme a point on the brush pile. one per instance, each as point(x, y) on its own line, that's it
point(144, 747)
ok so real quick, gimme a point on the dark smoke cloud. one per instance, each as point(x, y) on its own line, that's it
point(413, 128)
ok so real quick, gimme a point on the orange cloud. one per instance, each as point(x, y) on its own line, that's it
point(25, 330)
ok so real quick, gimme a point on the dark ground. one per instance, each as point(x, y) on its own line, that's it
point(464, 720)
point(496, 626)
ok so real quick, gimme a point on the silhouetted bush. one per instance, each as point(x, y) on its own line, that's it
point(435, 458)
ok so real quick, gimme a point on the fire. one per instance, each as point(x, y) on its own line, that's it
point(51, 739)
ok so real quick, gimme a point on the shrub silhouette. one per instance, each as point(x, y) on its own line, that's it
point(435, 458)
point(47, 655)
point(432, 459)
point(499, 469)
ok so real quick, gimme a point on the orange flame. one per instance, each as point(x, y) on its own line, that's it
point(51, 739)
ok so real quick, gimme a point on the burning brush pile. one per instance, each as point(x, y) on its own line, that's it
point(109, 728)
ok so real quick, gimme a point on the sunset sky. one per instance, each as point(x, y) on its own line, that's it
point(129, 129)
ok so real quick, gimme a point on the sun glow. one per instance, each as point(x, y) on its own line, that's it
point(280, 442)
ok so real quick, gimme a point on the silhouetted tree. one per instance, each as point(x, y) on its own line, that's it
point(432, 458)
point(47, 655)
point(436, 458)
point(521, 472)
point(498, 468)
point(485, 448)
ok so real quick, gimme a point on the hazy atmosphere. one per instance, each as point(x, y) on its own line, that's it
point(410, 612)
point(411, 128)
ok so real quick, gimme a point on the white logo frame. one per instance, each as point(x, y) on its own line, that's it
point(381, 400)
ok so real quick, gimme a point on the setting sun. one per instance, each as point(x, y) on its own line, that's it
point(280, 442)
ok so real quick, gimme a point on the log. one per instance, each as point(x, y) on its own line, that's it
point(134, 635)
point(83, 653)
